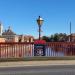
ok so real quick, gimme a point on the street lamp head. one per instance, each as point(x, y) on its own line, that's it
point(40, 20)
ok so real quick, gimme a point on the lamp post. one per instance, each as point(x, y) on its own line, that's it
point(39, 22)
point(70, 33)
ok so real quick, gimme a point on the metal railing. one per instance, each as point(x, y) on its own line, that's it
point(16, 50)
point(60, 49)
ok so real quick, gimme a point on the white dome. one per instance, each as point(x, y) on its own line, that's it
point(40, 18)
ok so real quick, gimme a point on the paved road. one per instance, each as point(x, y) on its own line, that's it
point(40, 70)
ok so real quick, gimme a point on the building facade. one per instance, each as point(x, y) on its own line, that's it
point(26, 38)
point(2, 39)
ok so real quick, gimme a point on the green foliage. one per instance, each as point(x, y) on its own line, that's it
point(46, 38)
point(56, 37)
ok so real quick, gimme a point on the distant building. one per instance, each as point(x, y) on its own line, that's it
point(9, 36)
point(26, 38)
point(71, 37)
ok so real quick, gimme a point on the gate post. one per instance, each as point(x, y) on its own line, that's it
point(39, 48)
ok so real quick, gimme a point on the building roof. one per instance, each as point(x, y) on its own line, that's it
point(26, 36)
point(8, 32)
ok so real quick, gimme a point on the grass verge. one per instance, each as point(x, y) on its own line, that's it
point(37, 58)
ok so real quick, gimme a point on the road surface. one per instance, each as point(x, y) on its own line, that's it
point(39, 70)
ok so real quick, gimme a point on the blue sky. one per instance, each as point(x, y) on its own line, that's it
point(21, 15)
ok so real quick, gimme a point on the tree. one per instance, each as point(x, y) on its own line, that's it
point(56, 37)
point(51, 38)
point(61, 37)
point(46, 38)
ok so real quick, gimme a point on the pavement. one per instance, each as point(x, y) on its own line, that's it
point(36, 63)
point(39, 70)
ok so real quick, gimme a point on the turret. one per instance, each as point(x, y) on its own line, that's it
point(1, 29)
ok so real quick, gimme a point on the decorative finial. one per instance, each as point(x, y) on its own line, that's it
point(9, 27)
point(39, 16)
